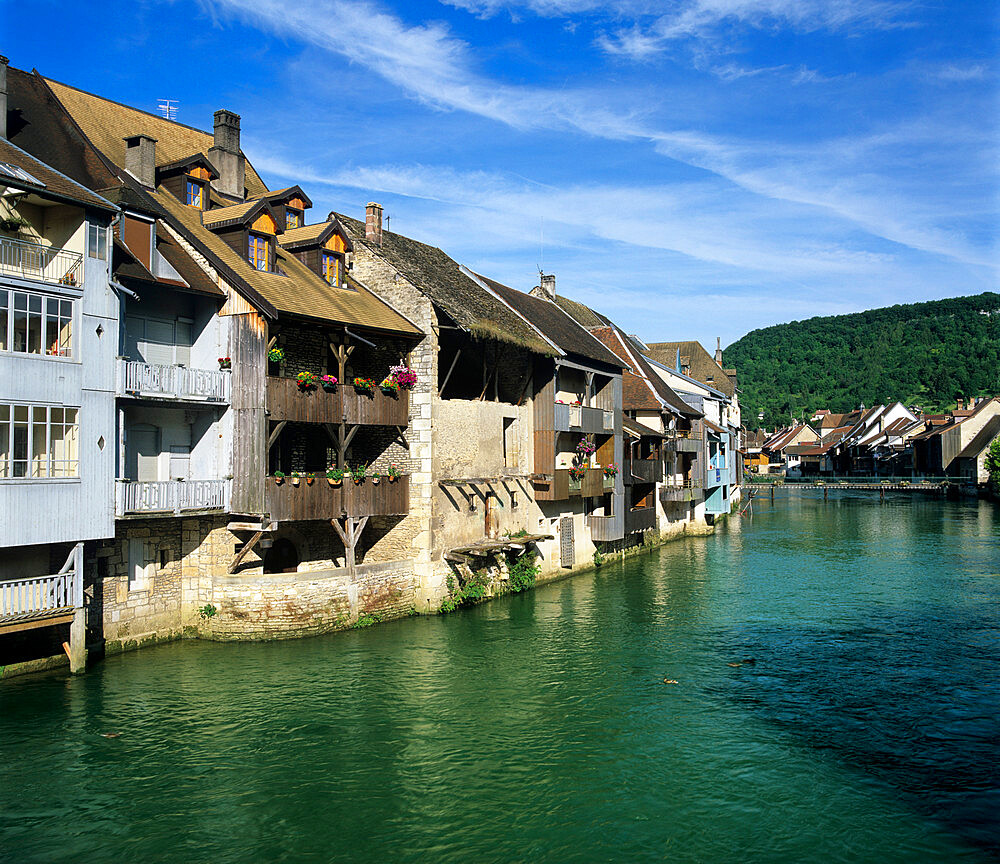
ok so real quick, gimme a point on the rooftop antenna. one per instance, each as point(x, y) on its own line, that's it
point(168, 108)
point(388, 218)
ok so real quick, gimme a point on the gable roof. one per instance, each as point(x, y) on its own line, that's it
point(50, 183)
point(638, 430)
point(296, 290)
point(441, 280)
point(107, 123)
point(642, 388)
point(983, 438)
point(702, 366)
point(555, 324)
point(279, 196)
point(237, 214)
point(315, 235)
point(579, 312)
point(185, 163)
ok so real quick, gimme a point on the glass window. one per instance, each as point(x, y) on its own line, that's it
point(97, 241)
point(39, 441)
point(195, 194)
point(259, 250)
point(331, 268)
point(36, 324)
point(293, 218)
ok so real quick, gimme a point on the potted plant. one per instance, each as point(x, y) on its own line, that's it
point(576, 474)
point(329, 383)
point(610, 472)
point(404, 376)
point(225, 363)
point(14, 222)
point(310, 479)
point(364, 385)
point(279, 477)
point(389, 387)
point(276, 355)
point(358, 473)
point(585, 447)
point(334, 476)
point(295, 478)
point(306, 381)
point(395, 472)
point(376, 479)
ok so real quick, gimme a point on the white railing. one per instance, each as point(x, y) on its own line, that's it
point(44, 263)
point(179, 382)
point(170, 496)
point(36, 596)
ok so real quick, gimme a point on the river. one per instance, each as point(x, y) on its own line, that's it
point(538, 727)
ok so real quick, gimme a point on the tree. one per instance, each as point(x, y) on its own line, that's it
point(993, 464)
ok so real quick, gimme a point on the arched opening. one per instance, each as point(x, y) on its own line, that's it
point(282, 557)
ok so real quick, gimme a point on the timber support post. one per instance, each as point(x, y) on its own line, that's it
point(349, 534)
point(78, 628)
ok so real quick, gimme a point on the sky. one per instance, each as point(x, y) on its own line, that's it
point(693, 168)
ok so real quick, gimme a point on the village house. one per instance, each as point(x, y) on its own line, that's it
point(58, 340)
point(953, 445)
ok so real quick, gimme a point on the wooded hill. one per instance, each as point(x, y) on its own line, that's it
point(926, 354)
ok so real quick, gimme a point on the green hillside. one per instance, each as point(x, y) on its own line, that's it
point(925, 354)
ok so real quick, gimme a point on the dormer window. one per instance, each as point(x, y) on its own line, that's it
point(331, 268)
point(195, 194)
point(259, 252)
point(293, 218)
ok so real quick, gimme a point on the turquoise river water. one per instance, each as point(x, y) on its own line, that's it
point(539, 727)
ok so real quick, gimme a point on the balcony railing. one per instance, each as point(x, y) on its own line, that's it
point(43, 263)
point(641, 519)
point(136, 378)
point(679, 490)
point(319, 500)
point(605, 528)
point(170, 497)
point(37, 596)
point(286, 401)
point(579, 418)
point(559, 486)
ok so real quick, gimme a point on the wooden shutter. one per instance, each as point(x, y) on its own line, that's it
point(567, 549)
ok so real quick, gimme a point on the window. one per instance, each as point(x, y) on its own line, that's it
point(39, 441)
point(35, 323)
point(259, 250)
point(331, 268)
point(195, 194)
point(97, 241)
point(293, 218)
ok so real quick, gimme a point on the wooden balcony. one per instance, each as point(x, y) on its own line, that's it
point(285, 401)
point(678, 491)
point(638, 471)
point(606, 528)
point(559, 486)
point(289, 503)
point(578, 418)
point(641, 519)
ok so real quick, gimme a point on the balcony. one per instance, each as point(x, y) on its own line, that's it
point(559, 486)
point(577, 418)
point(170, 497)
point(45, 599)
point(149, 380)
point(41, 263)
point(643, 471)
point(642, 519)
point(286, 401)
point(716, 474)
point(606, 528)
point(289, 503)
point(678, 491)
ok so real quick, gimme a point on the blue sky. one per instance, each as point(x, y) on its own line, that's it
point(694, 168)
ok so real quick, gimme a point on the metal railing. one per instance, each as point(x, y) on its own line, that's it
point(170, 496)
point(138, 378)
point(44, 263)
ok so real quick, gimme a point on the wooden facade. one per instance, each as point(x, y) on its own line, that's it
point(286, 401)
point(286, 502)
point(248, 350)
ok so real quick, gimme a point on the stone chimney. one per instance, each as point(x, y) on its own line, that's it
point(548, 285)
point(961, 404)
point(718, 350)
point(140, 159)
point(226, 155)
point(3, 97)
point(373, 223)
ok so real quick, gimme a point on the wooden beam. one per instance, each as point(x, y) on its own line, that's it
point(52, 620)
point(245, 551)
point(275, 432)
point(271, 341)
point(451, 369)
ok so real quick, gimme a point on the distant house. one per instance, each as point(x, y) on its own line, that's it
point(970, 464)
point(937, 448)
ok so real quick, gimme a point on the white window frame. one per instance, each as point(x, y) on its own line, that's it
point(97, 239)
point(39, 463)
point(44, 315)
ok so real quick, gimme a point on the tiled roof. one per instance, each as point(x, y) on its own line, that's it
point(304, 234)
point(442, 281)
point(583, 315)
point(235, 214)
point(555, 324)
point(299, 291)
point(702, 366)
point(107, 124)
point(50, 181)
point(196, 278)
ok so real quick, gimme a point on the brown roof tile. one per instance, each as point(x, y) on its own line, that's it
point(702, 366)
point(50, 182)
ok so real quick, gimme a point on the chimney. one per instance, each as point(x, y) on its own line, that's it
point(226, 156)
point(373, 223)
point(961, 404)
point(140, 159)
point(3, 96)
point(548, 283)
point(718, 350)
